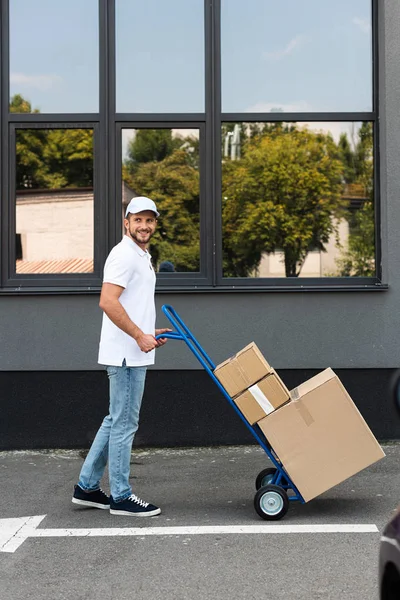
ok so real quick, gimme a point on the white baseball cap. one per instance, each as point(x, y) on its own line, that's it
point(139, 204)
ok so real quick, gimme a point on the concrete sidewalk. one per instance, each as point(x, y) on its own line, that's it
point(194, 487)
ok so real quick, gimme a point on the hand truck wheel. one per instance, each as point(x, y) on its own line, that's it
point(265, 477)
point(271, 502)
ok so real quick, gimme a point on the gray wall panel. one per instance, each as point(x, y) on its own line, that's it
point(49, 332)
point(294, 330)
point(298, 330)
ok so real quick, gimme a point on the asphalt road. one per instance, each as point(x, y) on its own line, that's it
point(194, 487)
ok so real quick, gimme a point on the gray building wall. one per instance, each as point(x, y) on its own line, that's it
point(295, 330)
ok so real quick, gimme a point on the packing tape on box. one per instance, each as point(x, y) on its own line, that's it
point(303, 411)
point(242, 372)
point(261, 399)
point(294, 394)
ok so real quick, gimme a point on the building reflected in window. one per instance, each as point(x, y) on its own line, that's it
point(54, 201)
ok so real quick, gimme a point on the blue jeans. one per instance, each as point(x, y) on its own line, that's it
point(114, 439)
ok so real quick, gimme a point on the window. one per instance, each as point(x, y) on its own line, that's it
point(54, 56)
point(299, 139)
point(160, 56)
point(253, 125)
point(292, 56)
point(298, 200)
point(54, 200)
point(164, 164)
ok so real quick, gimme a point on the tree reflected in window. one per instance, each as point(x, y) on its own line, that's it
point(295, 202)
point(163, 164)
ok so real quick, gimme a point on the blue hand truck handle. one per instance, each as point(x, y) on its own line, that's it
point(183, 333)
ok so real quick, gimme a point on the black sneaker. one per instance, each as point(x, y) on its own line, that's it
point(96, 499)
point(133, 507)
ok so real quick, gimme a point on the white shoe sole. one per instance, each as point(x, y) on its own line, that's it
point(151, 513)
point(90, 504)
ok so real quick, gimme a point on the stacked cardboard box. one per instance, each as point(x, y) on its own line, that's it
point(253, 384)
point(316, 430)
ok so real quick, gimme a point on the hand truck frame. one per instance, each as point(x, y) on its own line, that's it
point(275, 489)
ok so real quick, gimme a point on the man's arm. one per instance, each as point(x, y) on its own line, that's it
point(110, 304)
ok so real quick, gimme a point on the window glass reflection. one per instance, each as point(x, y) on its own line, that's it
point(163, 164)
point(292, 56)
point(54, 54)
point(160, 56)
point(54, 201)
point(297, 200)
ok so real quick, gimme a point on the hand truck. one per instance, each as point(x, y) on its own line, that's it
point(274, 488)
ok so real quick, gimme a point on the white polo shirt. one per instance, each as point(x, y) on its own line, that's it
point(130, 267)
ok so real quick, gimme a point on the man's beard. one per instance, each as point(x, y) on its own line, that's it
point(138, 237)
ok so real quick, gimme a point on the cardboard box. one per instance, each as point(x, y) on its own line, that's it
point(320, 436)
point(242, 370)
point(263, 398)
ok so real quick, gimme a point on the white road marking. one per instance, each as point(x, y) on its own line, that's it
point(205, 530)
point(13, 532)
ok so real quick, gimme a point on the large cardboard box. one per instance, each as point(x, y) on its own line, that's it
point(263, 398)
point(320, 436)
point(242, 370)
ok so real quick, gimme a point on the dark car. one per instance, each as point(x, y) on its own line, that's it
point(389, 552)
point(389, 560)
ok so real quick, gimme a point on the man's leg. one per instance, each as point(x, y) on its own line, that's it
point(88, 492)
point(96, 460)
point(126, 392)
point(93, 468)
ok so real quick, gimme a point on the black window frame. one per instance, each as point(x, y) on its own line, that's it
point(107, 125)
